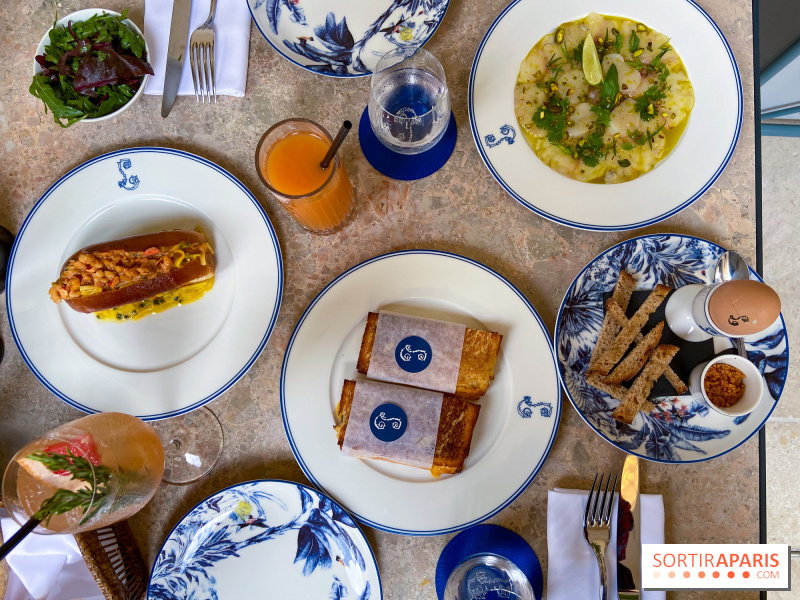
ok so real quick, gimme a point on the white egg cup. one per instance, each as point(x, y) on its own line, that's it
point(753, 385)
point(687, 315)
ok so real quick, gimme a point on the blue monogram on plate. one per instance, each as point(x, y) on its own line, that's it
point(413, 354)
point(127, 183)
point(508, 136)
point(526, 406)
point(388, 422)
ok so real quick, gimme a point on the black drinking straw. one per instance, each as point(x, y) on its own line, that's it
point(15, 539)
point(346, 127)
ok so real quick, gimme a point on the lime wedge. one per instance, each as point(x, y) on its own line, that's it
point(591, 62)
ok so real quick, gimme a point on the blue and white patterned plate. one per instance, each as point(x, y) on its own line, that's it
point(681, 178)
point(519, 414)
point(266, 539)
point(344, 38)
point(682, 430)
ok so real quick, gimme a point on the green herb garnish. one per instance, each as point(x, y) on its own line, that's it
point(633, 42)
point(63, 500)
point(646, 103)
point(552, 117)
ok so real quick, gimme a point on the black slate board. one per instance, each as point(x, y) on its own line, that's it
point(688, 357)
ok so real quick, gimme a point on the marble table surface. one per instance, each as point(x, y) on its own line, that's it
point(460, 209)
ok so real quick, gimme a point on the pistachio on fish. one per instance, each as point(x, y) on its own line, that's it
point(650, 109)
point(554, 87)
point(641, 27)
point(624, 163)
point(554, 108)
point(618, 98)
point(570, 91)
point(615, 31)
point(559, 36)
point(575, 154)
point(638, 52)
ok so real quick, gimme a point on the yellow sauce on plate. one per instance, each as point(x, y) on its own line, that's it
point(160, 303)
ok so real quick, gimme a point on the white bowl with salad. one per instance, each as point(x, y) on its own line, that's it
point(104, 72)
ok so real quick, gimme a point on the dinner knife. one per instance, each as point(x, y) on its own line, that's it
point(178, 35)
point(629, 533)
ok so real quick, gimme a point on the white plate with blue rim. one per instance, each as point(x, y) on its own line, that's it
point(681, 429)
point(519, 414)
point(165, 364)
point(676, 181)
point(345, 38)
point(299, 544)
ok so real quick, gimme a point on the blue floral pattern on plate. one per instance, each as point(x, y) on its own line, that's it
point(320, 549)
point(680, 429)
point(348, 38)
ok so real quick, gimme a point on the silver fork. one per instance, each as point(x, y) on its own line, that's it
point(597, 524)
point(201, 55)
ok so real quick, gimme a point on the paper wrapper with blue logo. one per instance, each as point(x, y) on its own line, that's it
point(427, 353)
point(419, 428)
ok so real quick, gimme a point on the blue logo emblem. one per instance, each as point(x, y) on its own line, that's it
point(508, 136)
point(127, 183)
point(484, 582)
point(388, 422)
point(413, 354)
point(526, 406)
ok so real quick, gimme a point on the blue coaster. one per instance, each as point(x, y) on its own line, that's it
point(405, 167)
point(489, 538)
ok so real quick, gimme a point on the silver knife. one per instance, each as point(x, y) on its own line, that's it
point(629, 533)
point(178, 36)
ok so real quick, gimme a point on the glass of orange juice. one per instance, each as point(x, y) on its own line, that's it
point(288, 161)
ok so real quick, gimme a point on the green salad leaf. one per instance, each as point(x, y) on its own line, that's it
point(90, 69)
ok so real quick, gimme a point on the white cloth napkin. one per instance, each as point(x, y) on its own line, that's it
point(571, 565)
point(47, 567)
point(231, 44)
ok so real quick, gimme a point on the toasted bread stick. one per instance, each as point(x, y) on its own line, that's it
point(636, 359)
point(616, 351)
point(619, 317)
point(621, 295)
point(637, 394)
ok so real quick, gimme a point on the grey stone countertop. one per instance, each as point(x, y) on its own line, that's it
point(460, 209)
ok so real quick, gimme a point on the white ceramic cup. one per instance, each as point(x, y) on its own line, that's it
point(83, 15)
point(753, 385)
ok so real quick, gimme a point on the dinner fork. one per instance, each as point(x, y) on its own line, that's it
point(597, 524)
point(201, 55)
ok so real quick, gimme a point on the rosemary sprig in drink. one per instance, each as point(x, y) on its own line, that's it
point(63, 500)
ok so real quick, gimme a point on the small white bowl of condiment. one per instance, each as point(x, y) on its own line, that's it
point(729, 384)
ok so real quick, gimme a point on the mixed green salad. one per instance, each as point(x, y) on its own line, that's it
point(90, 68)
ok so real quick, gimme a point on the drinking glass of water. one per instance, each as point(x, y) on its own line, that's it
point(487, 576)
point(409, 105)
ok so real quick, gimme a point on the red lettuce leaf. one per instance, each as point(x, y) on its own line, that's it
point(94, 72)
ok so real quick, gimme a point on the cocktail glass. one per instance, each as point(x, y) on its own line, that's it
point(83, 475)
point(288, 159)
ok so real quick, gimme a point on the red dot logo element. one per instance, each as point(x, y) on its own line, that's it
point(746, 574)
point(686, 574)
point(701, 574)
point(715, 574)
point(671, 574)
point(656, 574)
point(731, 574)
